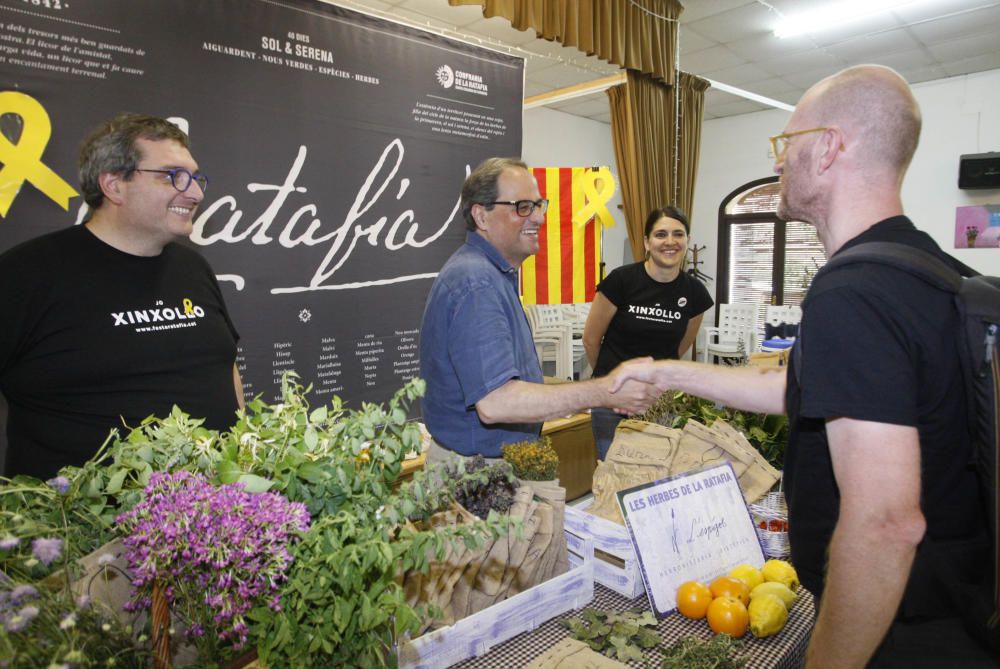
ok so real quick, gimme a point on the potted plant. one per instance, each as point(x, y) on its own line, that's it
point(210, 553)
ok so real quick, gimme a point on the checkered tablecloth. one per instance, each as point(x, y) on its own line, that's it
point(784, 651)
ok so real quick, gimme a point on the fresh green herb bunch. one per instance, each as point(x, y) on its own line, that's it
point(341, 604)
point(720, 652)
point(619, 635)
point(484, 487)
point(35, 514)
point(767, 432)
point(533, 460)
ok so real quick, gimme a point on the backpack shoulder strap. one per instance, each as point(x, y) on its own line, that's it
point(907, 258)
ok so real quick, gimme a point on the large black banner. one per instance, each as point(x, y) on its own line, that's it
point(335, 145)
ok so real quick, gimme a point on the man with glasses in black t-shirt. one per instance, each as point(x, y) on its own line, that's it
point(886, 523)
point(111, 321)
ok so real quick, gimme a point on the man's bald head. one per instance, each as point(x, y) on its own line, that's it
point(874, 104)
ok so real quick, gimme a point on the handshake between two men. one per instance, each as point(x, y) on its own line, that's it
point(629, 389)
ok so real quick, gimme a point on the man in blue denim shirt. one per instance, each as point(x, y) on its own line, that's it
point(484, 381)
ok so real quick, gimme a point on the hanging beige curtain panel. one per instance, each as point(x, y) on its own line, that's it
point(644, 134)
point(641, 38)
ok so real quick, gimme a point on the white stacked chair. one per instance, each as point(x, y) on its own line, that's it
point(552, 317)
point(553, 339)
point(735, 336)
point(576, 314)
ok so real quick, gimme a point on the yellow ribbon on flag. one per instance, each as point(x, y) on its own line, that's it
point(23, 161)
point(597, 200)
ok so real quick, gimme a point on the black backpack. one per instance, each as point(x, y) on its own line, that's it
point(977, 301)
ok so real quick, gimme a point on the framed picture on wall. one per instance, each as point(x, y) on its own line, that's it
point(977, 226)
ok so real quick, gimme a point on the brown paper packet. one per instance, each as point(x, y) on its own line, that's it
point(573, 654)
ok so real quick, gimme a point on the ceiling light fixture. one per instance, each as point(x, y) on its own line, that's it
point(834, 15)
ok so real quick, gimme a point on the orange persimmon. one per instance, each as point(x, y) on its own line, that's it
point(727, 586)
point(728, 615)
point(693, 599)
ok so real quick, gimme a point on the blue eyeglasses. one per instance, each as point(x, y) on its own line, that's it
point(181, 178)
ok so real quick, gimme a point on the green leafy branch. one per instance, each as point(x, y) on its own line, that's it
point(618, 635)
point(768, 433)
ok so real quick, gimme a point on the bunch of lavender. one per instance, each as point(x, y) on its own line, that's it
point(216, 551)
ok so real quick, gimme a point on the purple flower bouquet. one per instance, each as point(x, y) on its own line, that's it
point(216, 552)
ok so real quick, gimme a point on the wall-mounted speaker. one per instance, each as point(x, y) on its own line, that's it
point(979, 170)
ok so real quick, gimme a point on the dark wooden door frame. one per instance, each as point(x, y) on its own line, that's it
point(724, 237)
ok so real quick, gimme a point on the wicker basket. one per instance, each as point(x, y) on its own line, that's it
point(772, 508)
point(163, 655)
point(160, 624)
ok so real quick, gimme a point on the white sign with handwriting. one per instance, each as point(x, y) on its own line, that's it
point(690, 527)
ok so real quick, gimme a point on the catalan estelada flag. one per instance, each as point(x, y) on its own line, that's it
point(566, 269)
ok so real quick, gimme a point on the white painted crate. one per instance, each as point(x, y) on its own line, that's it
point(474, 635)
point(615, 563)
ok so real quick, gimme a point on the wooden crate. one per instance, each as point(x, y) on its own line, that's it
point(474, 635)
point(615, 563)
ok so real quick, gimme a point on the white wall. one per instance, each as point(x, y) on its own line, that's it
point(961, 115)
point(734, 151)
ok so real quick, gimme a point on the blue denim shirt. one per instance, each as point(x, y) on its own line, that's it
point(474, 338)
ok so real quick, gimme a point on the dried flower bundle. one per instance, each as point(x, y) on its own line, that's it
point(533, 460)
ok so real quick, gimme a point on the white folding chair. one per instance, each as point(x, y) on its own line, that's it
point(735, 336)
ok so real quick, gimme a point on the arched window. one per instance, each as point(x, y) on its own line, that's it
point(763, 260)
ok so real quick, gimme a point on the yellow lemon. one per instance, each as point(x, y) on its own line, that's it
point(779, 590)
point(768, 616)
point(749, 574)
point(782, 572)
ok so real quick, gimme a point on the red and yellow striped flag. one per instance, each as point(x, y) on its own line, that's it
point(566, 268)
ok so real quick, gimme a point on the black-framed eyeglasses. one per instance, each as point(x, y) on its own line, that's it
point(181, 178)
point(524, 208)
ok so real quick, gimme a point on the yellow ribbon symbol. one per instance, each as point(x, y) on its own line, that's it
point(23, 161)
point(188, 306)
point(597, 200)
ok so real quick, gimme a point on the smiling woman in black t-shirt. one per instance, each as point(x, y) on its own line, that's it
point(649, 308)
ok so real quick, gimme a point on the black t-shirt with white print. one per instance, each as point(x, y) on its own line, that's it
point(94, 337)
point(652, 317)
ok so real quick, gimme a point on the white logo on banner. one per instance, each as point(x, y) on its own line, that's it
point(445, 76)
point(468, 82)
